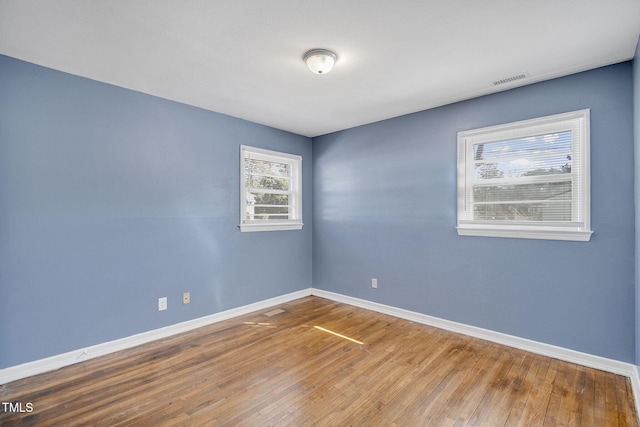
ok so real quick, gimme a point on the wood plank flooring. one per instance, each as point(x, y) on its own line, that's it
point(322, 363)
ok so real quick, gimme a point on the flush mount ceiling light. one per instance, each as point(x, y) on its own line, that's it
point(320, 61)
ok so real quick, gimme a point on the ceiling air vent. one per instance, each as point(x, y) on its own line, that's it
point(510, 79)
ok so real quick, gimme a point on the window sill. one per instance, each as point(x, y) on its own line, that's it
point(251, 227)
point(526, 233)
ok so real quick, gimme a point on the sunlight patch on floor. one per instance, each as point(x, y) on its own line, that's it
point(338, 335)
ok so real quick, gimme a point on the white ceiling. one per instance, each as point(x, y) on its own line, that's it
point(244, 58)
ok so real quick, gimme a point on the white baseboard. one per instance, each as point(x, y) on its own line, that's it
point(621, 368)
point(635, 385)
point(28, 369)
point(55, 362)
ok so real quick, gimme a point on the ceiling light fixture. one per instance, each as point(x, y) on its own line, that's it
point(320, 61)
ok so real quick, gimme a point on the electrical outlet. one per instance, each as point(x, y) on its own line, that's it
point(374, 283)
point(186, 298)
point(162, 303)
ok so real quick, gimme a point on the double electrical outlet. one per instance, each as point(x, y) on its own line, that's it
point(162, 302)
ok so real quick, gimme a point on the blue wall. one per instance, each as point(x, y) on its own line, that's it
point(636, 135)
point(385, 207)
point(110, 199)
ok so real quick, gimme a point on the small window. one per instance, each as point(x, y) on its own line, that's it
point(527, 179)
point(270, 190)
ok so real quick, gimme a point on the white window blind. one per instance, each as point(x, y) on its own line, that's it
point(528, 179)
point(270, 190)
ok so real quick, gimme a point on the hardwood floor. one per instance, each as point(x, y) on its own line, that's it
point(322, 363)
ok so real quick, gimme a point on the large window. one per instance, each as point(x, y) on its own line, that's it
point(270, 190)
point(527, 179)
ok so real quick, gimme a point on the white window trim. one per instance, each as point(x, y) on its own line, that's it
point(295, 161)
point(578, 122)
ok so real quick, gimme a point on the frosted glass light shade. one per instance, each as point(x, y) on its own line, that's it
point(320, 61)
